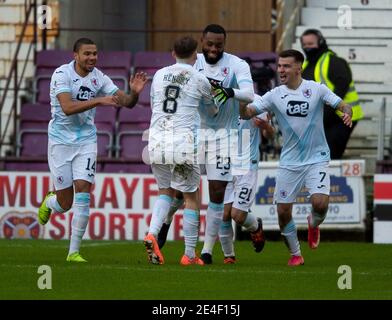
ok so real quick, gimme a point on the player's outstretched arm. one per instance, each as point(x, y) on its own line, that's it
point(247, 111)
point(222, 94)
point(347, 113)
point(136, 83)
point(70, 106)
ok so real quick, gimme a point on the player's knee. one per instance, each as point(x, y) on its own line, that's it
point(217, 196)
point(284, 216)
point(238, 218)
point(320, 206)
point(65, 198)
point(65, 203)
point(217, 191)
point(284, 211)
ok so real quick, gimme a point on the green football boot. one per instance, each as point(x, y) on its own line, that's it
point(44, 212)
point(75, 257)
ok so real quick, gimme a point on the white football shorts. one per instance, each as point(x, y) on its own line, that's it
point(241, 191)
point(289, 182)
point(182, 177)
point(70, 163)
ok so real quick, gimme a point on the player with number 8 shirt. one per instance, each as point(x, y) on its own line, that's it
point(177, 91)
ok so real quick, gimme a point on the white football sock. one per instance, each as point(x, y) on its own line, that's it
point(79, 220)
point(290, 234)
point(53, 204)
point(250, 224)
point(226, 235)
point(213, 221)
point(159, 214)
point(191, 231)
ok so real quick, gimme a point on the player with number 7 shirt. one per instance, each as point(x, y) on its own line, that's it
point(298, 106)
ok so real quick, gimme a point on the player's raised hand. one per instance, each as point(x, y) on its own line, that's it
point(221, 94)
point(137, 82)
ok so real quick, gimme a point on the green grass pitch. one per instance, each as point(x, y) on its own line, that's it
point(119, 270)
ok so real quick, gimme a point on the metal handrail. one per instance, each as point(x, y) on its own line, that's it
point(288, 25)
point(29, 6)
point(381, 132)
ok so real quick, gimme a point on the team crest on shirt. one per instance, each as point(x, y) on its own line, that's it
point(283, 194)
point(307, 93)
point(94, 82)
point(225, 71)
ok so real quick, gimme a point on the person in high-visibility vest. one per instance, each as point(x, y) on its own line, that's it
point(323, 65)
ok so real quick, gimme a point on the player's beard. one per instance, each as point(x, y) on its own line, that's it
point(212, 60)
point(88, 67)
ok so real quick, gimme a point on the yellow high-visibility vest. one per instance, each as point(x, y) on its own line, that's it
point(321, 75)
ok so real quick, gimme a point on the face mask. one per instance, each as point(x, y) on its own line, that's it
point(311, 52)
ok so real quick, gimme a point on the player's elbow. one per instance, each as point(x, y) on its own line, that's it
point(245, 95)
point(67, 109)
point(248, 96)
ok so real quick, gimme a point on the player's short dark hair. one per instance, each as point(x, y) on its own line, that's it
point(81, 42)
point(297, 55)
point(184, 47)
point(214, 28)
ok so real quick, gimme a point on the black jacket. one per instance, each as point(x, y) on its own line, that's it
point(339, 74)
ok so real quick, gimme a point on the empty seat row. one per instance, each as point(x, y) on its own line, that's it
point(116, 64)
point(119, 65)
point(119, 131)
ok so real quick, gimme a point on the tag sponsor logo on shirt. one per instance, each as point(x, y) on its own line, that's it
point(297, 108)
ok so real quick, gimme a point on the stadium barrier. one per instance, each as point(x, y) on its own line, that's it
point(382, 208)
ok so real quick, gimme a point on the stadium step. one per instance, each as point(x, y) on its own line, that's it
point(354, 4)
point(322, 17)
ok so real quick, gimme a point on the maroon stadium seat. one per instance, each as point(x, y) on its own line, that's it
point(105, 121)
point(117, 65)
point(150, 61)
point(144, 96)
point(47, 61)
point(26, 164)
point(131, 125)
point(125, 167)
point(33, 130)
point(255, 59)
